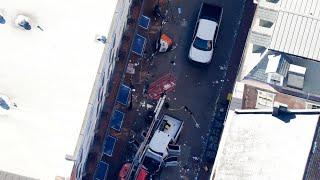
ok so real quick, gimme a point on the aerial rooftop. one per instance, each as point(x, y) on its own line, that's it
point(290, 26)
point(257, 145)
point(46, 78)
point(307, 85)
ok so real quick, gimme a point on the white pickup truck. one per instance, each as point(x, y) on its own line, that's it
point(205, 34)
point(161, 145)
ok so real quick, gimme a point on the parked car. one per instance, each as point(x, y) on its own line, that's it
point(205, 34)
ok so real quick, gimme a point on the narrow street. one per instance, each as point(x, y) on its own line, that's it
point(201, 89)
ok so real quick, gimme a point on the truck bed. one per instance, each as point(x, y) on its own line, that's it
point(211, 12)
point(171, 126)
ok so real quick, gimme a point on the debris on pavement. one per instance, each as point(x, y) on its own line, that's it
point(184, 22)
point(130, 69)
point(174, 47)
point(195, 158)
point(206, 169)
point(165, 43)
point(164, 84)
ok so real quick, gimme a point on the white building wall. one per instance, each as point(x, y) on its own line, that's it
point(99, 91)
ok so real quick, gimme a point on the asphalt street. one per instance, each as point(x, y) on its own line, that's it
point(199, 88)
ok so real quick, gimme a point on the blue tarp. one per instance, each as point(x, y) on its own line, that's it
point(101, 171)
point(116, 120)
point(138, 44)
point(123, 94)
point(109, 143)
point(144, 22)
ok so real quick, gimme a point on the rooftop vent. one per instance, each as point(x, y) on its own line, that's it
point(23, 22)
point(279, 109)
point(297, 69)
point(4, 104)
point(2, 20)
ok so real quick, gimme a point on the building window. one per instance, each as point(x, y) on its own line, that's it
point(273, 1)
point(265, 23)
point(258, 49)
point(264, 100)
point(312, 105)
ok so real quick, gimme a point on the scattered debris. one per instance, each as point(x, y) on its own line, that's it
point(166, 84)
point(206, 169)
point(130, 68)
point(145, 88)
point(174, 47)
point(157, 11)
point(149, 106)
point(222, 67)
point(165, 43)
point(195, 158)
point(184, 23)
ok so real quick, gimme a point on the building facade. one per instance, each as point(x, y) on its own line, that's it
point(101, 86)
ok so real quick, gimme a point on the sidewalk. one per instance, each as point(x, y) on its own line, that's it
point(110, 103)
point(121, 152)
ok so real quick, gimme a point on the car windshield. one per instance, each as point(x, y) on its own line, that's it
point(202, 44)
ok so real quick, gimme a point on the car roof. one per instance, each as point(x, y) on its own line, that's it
point(206, 29)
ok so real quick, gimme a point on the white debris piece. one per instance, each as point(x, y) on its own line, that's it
point(195, 158)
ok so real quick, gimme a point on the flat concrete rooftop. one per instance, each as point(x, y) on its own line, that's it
point(47, 77)
point(257, 145)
